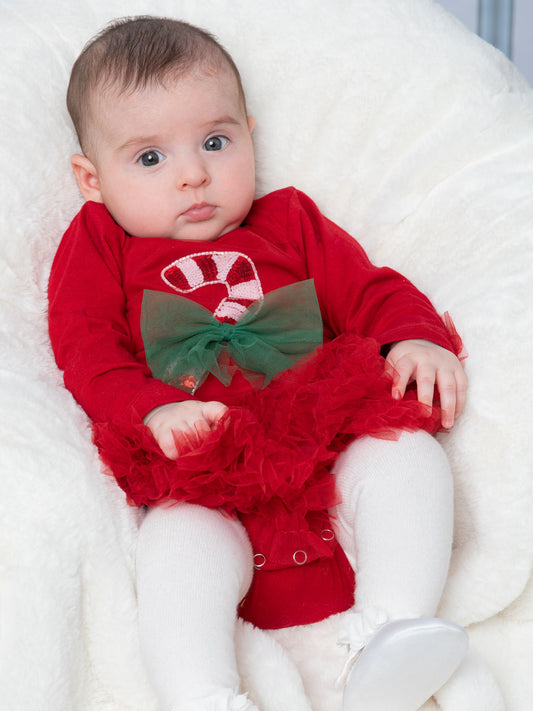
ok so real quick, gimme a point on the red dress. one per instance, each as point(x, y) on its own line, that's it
point(270, 461)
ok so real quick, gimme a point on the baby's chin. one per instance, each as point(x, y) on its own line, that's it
point(205, 232)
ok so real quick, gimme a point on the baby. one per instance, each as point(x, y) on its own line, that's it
point(230, 352)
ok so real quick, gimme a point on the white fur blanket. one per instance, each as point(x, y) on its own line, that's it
point(415, 136)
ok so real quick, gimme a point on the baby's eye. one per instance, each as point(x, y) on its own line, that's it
point(215, 143)
point(151, 158)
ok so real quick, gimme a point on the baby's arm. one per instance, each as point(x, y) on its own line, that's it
point(184, 423)
point(429, 365)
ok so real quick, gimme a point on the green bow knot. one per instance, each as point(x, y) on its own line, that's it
point(184, 342)
point(228, 332)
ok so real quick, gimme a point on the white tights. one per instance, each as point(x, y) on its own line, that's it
point(194, 565)
point(395, 522)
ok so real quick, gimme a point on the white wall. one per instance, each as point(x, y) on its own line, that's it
point(523, 37)
point(522, 51)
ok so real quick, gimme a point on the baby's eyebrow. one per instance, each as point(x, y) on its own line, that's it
point(222, 120)
point(139, 141)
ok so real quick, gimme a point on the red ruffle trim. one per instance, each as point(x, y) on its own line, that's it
point(279, 442)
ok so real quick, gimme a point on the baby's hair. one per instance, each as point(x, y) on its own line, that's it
point(135, 52)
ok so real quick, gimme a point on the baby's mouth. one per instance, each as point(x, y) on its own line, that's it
point(199, 212)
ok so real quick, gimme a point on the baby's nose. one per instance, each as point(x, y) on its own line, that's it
point(193, 174)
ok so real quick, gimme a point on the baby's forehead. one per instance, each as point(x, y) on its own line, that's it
point(126, 78)
point(116, 87)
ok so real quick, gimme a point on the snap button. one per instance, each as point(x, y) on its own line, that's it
point(300, 557)
point(327, 534)
point(259, 561)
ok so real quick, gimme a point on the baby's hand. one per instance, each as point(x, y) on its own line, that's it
point(185, 423)
point(429, 365)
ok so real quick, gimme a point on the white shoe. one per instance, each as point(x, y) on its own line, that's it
point(404, 664)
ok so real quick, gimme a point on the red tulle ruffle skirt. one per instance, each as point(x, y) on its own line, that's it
point(269, 462)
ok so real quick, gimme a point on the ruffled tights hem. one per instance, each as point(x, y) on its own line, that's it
point(220, 700)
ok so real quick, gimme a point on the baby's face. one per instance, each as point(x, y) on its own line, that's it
point(175, 162)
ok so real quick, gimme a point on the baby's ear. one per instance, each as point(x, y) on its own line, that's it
point(86, 177)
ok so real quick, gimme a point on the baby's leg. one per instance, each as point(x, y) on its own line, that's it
point(193, 567)
point(395, 523)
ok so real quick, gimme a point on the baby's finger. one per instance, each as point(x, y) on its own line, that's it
point(201, 430)
point(461, 381)
point(168, 445)
point(403, 371)
point(187, 439)
point(425, 384)
point(447, 385)
point(213, 411)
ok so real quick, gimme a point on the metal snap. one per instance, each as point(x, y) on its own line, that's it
point(300, 557)
point(327, 534)
point(259, 561)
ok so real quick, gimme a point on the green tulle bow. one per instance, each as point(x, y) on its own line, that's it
point(184, 341)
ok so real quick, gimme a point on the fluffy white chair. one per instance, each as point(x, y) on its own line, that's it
point(415, 136)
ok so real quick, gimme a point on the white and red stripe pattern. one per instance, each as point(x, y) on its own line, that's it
point(235, 270)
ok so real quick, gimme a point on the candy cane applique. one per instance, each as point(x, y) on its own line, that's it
point(233, 269)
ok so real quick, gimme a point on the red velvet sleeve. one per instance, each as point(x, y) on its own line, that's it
point(88, 328)
point(355, 295)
